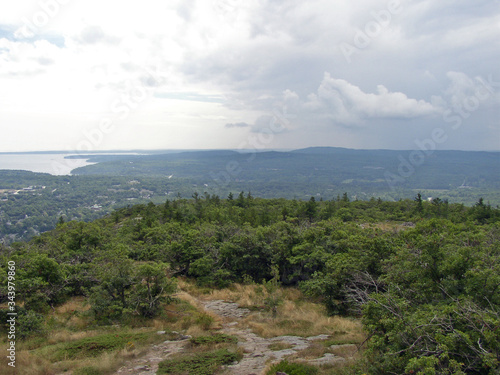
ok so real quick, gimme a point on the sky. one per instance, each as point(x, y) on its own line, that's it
point(266, 74)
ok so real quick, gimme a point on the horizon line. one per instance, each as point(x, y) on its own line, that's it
point(137, 150)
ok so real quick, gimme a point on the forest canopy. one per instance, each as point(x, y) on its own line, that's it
point(424, 277)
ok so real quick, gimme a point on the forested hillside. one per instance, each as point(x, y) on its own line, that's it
point(424, 278)
point(31, 203)
point(324, 171)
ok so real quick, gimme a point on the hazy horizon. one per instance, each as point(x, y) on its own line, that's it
point(173, 150)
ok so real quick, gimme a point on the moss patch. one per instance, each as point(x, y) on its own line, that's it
point(92, 346)
point(205, 363)
point(217, 338)
point(292, 369)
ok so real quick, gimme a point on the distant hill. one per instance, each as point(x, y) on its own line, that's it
point(318, 171)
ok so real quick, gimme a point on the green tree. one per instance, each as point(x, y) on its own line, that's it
point(311, 209)
point(420, 206)
point(151, 288)
point(110, 298)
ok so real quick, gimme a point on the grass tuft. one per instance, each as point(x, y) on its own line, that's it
point(92, 346)
point(206, 363)
point(217, 338)
point(291, 368)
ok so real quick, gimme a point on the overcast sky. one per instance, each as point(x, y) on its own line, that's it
point(155, 74)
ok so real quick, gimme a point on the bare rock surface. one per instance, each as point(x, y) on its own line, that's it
point(257, 353)
point(148, 363)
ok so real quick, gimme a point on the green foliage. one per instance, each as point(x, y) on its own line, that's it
point(217, 338)
point(41, 282)
point(93, 346)
point(205, 321)
point(274, 297)
point(104, 309)
point(125, 286)
point(29, 324)
point(291, 368)
point(152, 287)
point(423, 317)
point(424, 276)
point(205, 363)
point(94, 191)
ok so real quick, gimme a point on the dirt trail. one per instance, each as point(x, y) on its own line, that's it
point(256, 349)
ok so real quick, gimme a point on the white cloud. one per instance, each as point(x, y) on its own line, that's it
point(87, 56)
point(345, 103)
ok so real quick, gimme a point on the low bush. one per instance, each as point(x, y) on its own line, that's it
point(94, 346)
point(205, 363)
point(217, 338)
point(292, 369)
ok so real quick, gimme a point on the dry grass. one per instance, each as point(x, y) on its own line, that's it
point(69, 315)
point(188, 297)
point(315, 350)
point(76, 304)
point(195, 330)
point(63, 331)
point(345, 351)
point(276, 346)
point(244, 295)
point(191, 316)
point(26, 364)
point(305, 319)
point(107, 363)
point(296, 316)
point(66, 336)
point(189, 287)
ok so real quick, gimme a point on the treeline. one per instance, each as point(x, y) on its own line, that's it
point(86, 198)
point(423, 276)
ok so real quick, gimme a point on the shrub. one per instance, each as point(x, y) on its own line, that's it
point(29, 323)
point(292, 369)
point(217, 338)
point(104, 309)
point(199, 364)
point(94, 346)
point(205, 321)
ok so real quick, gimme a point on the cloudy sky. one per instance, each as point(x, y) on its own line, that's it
point(203, 74)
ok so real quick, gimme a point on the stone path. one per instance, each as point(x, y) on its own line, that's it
point(147, 364)
point(256, 349)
